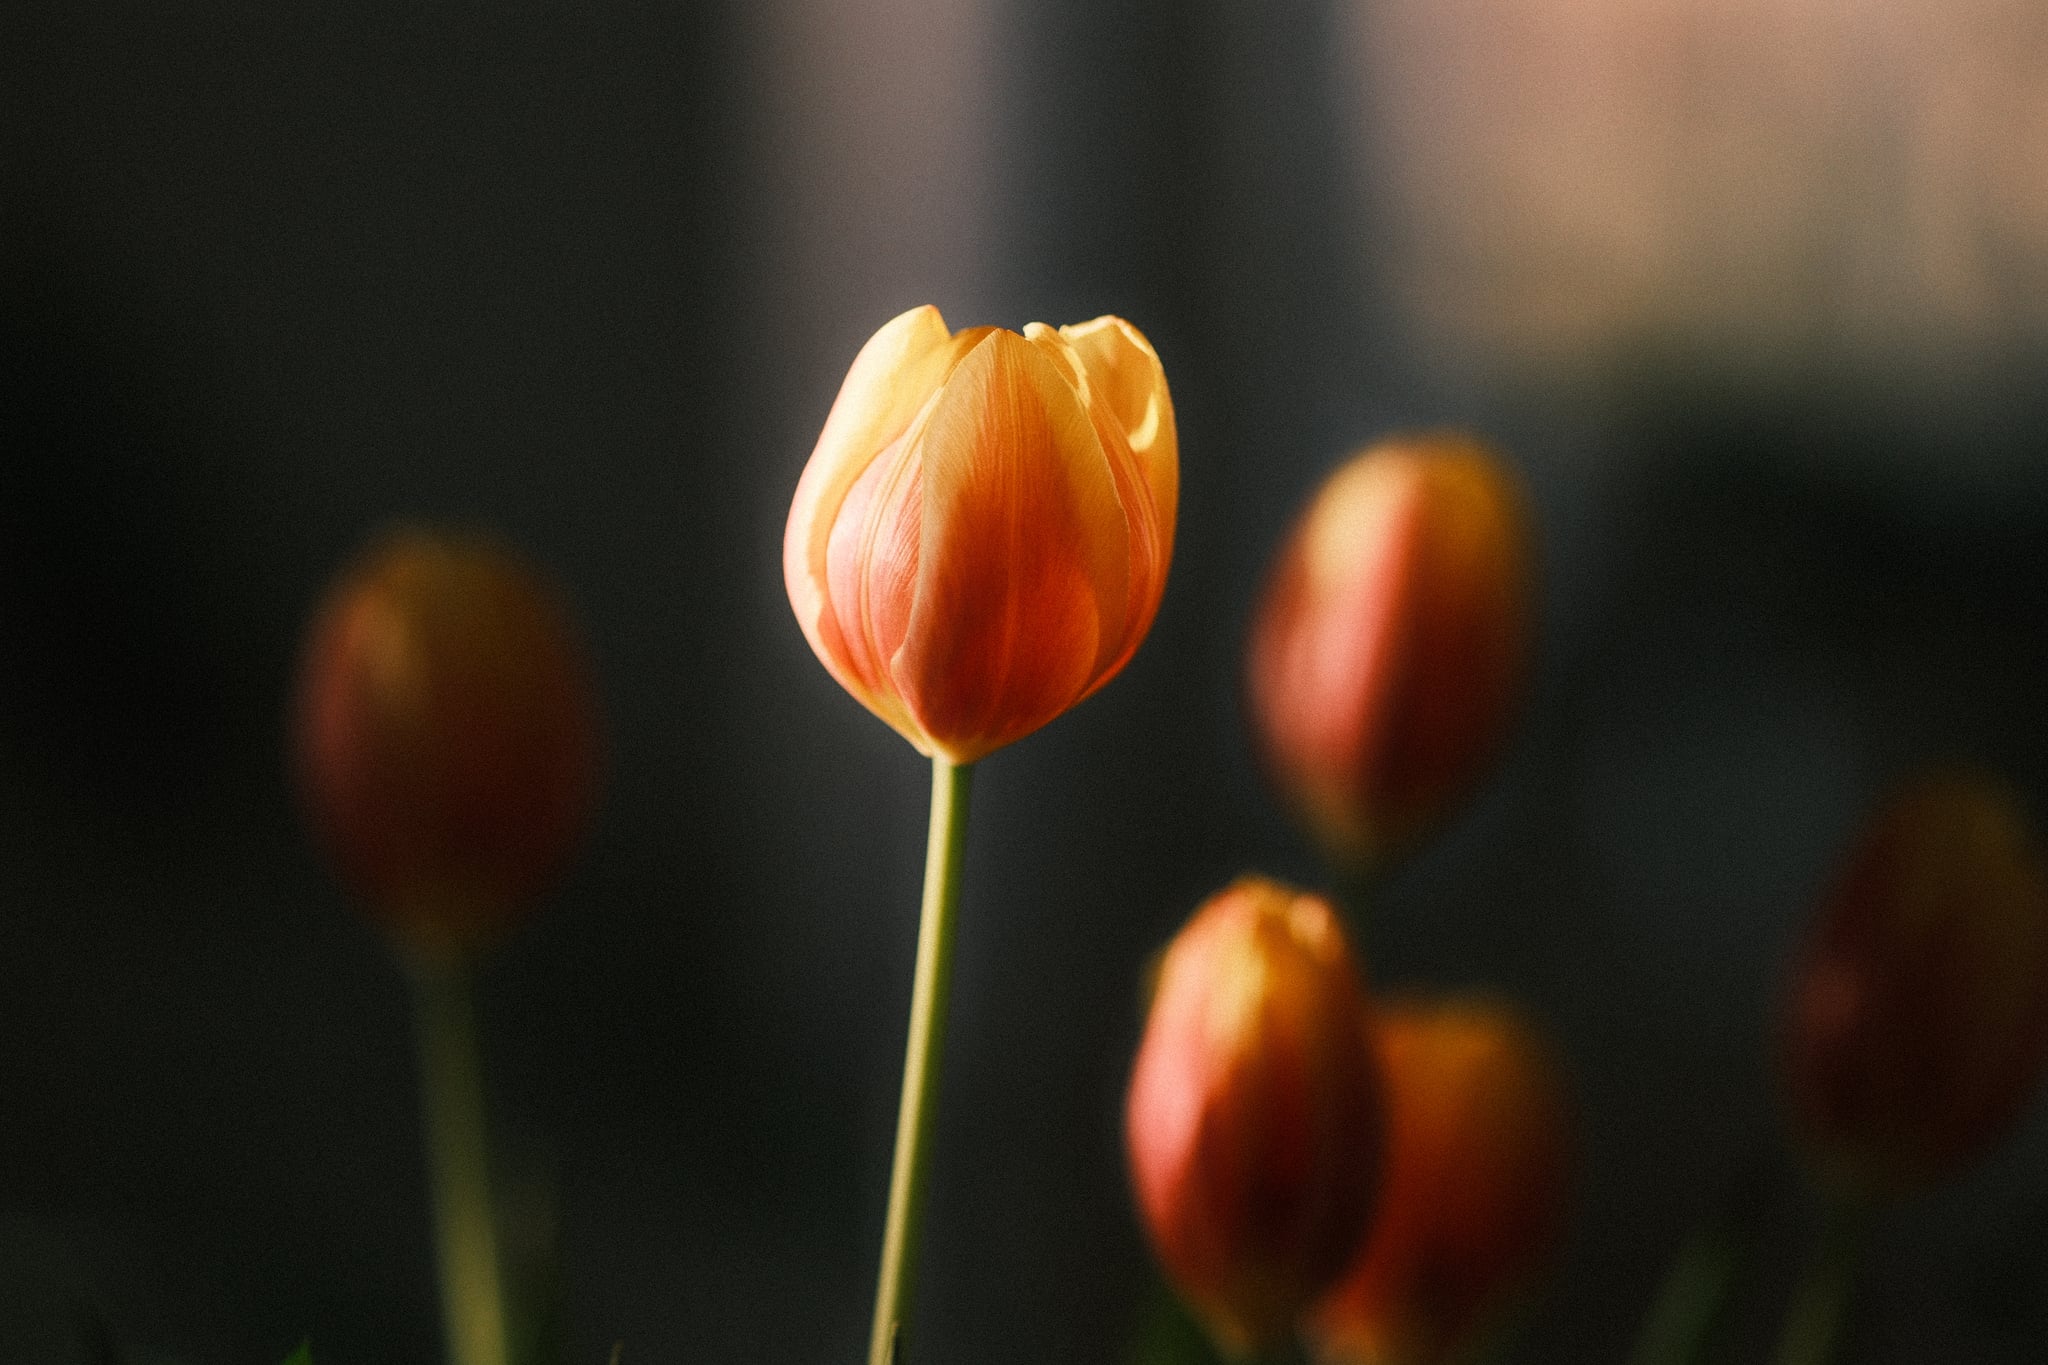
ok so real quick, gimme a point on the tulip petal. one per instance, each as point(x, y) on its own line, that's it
point(1121, 386)
point(871, 577)
point(1124, 371)
point(1022, 567)
point(1476, 1182)
point(1325, 649)
point(1252, 1119)
point(892, 379)
point(1464, 635)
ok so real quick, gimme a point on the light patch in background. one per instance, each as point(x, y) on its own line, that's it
point(1561, 186)
point(875, 124)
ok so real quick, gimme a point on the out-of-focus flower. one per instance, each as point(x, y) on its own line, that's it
point(445, 735)
point(1917, 1022)
point(1253, 1120)
point(981, 537)
point(1391, 639)
point(1472, 1196)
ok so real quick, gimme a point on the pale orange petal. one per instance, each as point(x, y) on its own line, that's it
point(895, 376)
point(871, 578)
point(888, 382)
point(1109, 377)
point(1023, 559)
point(1124, 370)
point(1133, 494)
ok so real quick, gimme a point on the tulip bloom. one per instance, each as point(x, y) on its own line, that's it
point(445, 735)
point(1253, 1120)
point(981, 537)
point(1472, 1193)
point(1917, 1022)
point(1390, 640)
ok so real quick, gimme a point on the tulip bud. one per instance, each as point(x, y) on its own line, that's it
point(445, 736)
point(1472, 1192)
point(1253, 1120)
point(1917, 1022)
point(1390, 640)
point(981, 537)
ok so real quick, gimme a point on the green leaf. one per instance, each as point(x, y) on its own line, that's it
point(302, 1356)
point(1166, 1335)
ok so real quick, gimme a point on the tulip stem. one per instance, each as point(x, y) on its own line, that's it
point(458, 1164)
point(1813, 1323)
point(1686, 1324)
point(1692, 1301)
point(950, 783)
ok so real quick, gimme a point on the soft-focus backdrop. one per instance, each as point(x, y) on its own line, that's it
point(1757, 295)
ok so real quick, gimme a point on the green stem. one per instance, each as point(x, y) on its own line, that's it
point(950, 783)
point(458, 1166)
point(1688, 1323)
point(1813, 1323)
point(1692, 1301)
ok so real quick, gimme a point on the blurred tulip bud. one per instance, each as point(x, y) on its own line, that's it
point(1253, 1120)
point(1390, 640)
point(1472, 1195)
point(1917, 1021)
point(445, 736)
point(981, 537)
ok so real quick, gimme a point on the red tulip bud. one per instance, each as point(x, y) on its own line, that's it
point(445, 736)
point(1473, 1192)
point(1253, 1121)
point(1390, 640)
point(1917, 1022)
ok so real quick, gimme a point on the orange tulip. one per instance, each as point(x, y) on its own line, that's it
point(981, 537)
point(1390, 640)
point(445, 735)
point(1917, 1023)
point(1472, 1195)
point(1253, 1119)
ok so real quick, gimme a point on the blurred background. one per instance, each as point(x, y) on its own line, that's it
point(1756, 293)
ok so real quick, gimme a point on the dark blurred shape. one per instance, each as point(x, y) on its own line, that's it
point(446, 735)
point(1916, 1026)
point(113, 684)
point(70, 1295)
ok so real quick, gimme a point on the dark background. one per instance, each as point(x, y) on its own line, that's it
point(271, 279)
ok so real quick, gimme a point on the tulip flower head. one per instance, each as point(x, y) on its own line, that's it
point(1390, 640)
point(1916, 1026)
point(1253, 1118)
point(1473, 1190)
point(445, 736)
point(981, 537)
